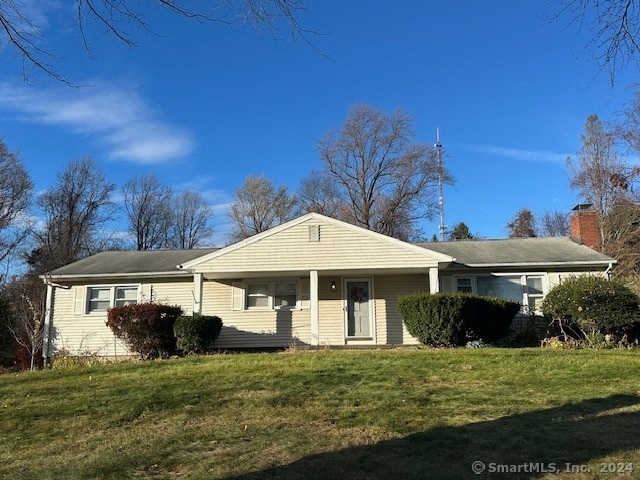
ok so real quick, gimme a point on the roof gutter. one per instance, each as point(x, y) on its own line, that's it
point(92, 276)
point(542, 264)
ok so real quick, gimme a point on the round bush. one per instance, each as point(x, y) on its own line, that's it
point(448, 319)
point(196, 334)
point(146, 328)
point(595, 305)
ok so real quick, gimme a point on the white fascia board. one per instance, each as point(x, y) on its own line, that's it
point(96, 276)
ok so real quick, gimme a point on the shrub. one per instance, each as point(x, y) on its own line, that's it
point(146, 328)
point(196, 334)
point(455, 319)
point(594, 305)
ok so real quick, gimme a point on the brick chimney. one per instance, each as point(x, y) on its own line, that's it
point(584, 226)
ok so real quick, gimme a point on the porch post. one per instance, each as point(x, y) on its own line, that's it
point(313, 307)
point(197, 293)
point(46, 332)
point(434, 281)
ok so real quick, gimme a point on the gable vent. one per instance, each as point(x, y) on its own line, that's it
point(314, 233)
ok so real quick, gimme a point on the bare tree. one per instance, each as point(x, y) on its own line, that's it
point(554, 224)
point(22, 23)
point(599, 175)
point(74, 209)
point(385, 178)
point(318, 193)
point(147, 204)
point(259, 206)
point(190, 222)
point(523, 224)
point(622, 227)
point(613, 26)
point(16, 190)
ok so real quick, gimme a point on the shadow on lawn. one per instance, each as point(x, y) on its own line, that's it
point(555, 438)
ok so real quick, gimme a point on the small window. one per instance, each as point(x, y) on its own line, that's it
point(126, 296)
point(464, 285)
point(99, 299)
point(285, 295)
point(257, 295)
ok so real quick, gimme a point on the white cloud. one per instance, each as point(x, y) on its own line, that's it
point(118, 119)
point(519, 154)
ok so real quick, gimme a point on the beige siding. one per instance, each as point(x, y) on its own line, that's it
point(247, 329)
point(340, 247)
point(389, 325)
point(171, 292)
point(330, 312)
point(79, 333)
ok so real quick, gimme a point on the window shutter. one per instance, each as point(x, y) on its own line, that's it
point(237, 296)
point(304, 295)
point(78, 300)
point(145, 293)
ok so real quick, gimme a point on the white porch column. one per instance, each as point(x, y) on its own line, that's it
point(434, 281)
point(46, 333)
point(197, 293)
point(313, 307)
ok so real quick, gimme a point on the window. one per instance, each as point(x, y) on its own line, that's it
point(527, 290)
point(100, 299)
point(464, 285)
point(534, 293)
point(269, 294)
point(126, 296)
point(286, 294)
point(507, 287)
point(257, 295)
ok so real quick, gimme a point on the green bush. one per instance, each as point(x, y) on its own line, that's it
point(456, 319)
point(146, 328)
point(196, 334)
point(594, 305)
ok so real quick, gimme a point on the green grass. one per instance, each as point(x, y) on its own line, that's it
point(327, 414)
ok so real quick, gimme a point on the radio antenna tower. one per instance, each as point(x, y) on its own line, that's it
point(443, 227)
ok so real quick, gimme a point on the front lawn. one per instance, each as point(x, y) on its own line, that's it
point(329, 414)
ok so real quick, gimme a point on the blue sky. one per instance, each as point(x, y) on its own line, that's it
point(203, 105)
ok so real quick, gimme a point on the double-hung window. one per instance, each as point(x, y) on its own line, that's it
point(100, 299)
point(257, 296)
point(285, 294)
point(270, 294)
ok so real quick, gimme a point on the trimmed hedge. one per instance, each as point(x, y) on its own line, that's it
point(446, 319)
point(196, 334)
point(594, 305)
point(146, 328)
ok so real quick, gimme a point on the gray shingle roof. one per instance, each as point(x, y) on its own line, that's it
point(552, 250)
point(131, 262)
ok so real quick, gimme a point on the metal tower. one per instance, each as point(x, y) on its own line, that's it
point(443, 227)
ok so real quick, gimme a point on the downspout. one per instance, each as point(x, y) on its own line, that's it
point(48, 318)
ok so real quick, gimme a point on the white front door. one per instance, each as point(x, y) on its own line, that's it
point(358, 309)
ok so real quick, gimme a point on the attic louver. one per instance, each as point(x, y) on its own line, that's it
point(314, 233)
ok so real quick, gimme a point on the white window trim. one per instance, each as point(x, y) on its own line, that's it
point(112, 295)
point(271, 307)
